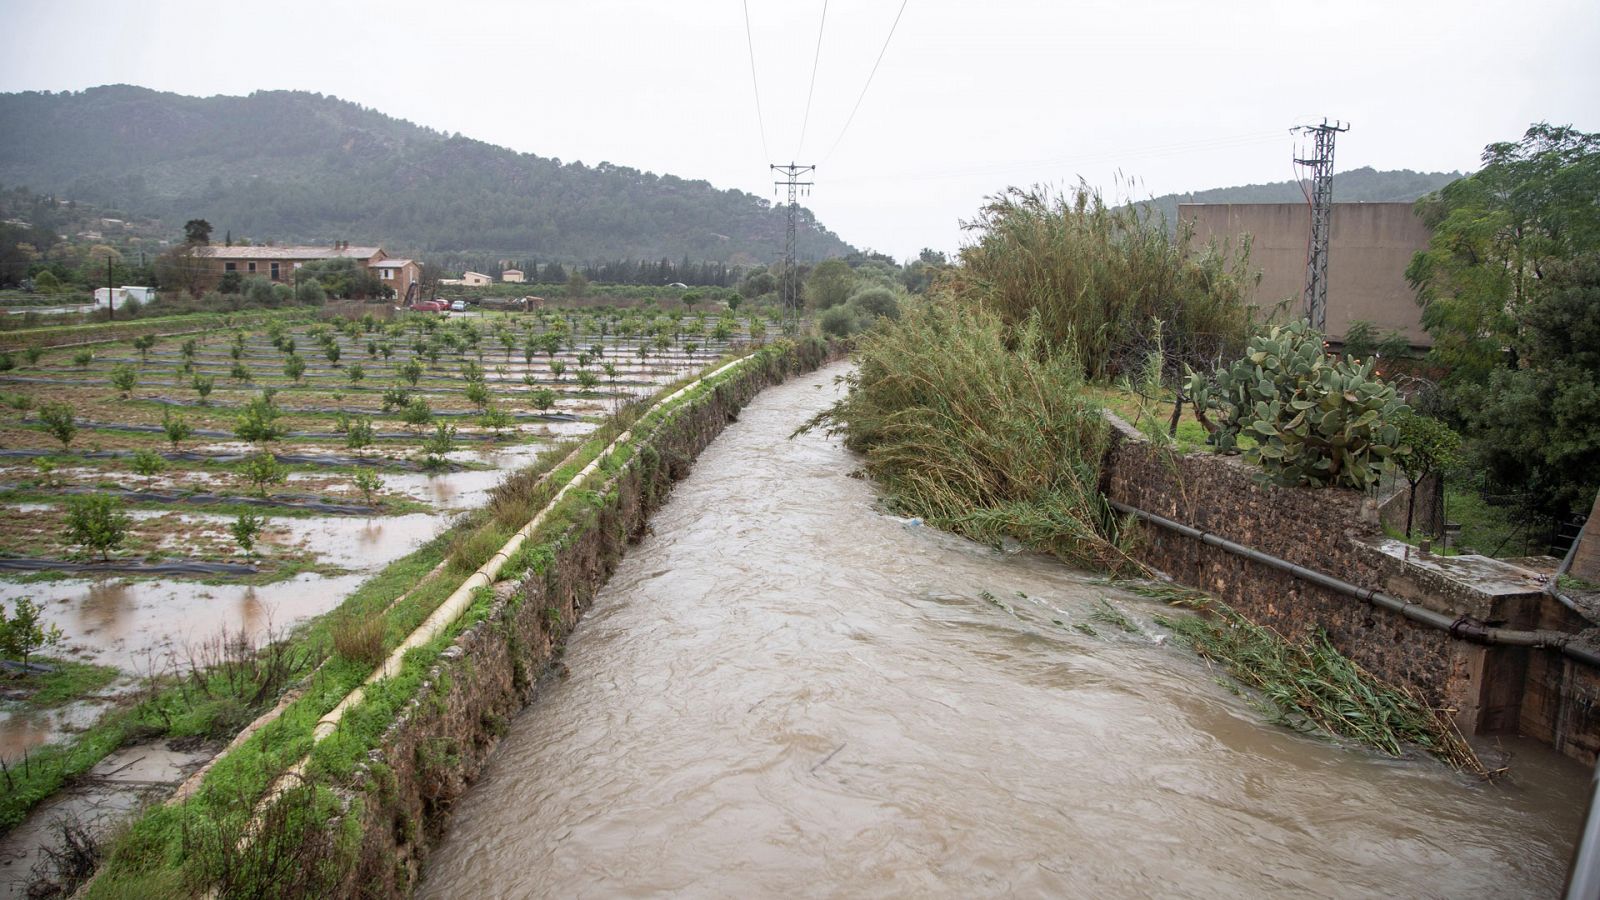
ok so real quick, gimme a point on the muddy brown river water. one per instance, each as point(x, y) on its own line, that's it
point(786, 691)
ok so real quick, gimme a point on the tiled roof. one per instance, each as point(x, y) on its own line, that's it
point(391, 263)
point(287, 252)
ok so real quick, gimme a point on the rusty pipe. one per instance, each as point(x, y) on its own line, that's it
point(1462, 627)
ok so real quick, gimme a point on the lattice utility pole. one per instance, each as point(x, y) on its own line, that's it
point(791, 274)
point(1321, 219)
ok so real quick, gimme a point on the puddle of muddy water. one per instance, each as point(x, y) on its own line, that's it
point(134, 624)
point(118, 785)
point(785, 692)
point(23, 730)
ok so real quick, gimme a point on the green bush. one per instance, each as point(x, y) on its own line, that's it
point(124, 378)
point(263, 470)
point(838, 321)
point(258, 420)
point(1427, 447)
point(246, 529)
point(368, 483)
point(875, 302)
point(25, 632)
point(97, 523)
point(147, 463)
point(1315, 419)
point(176, 427)
point(58, 419)
point(359, 434)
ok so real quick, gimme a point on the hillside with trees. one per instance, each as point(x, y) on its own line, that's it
point(1364, 185)
point(295, 166)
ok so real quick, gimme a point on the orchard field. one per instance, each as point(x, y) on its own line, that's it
point(162, 491)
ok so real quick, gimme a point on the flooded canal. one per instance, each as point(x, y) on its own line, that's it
point(787, 691)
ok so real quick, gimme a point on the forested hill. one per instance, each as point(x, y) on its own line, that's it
point(1357, 185)
point(294, 166)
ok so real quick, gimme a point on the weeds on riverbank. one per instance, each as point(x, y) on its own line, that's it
point(980, 429)
point(1309, 685)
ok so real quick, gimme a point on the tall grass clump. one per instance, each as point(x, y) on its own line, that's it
point(1100, 278)
point(980, 429)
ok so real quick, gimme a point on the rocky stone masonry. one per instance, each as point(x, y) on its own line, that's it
point(1535, 692)
point(438, 745)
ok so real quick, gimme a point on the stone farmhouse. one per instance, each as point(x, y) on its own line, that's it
point(278, 264)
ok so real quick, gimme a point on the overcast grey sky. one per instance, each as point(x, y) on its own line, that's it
point(970, 97)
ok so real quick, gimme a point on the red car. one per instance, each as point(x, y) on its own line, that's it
point(429, 306)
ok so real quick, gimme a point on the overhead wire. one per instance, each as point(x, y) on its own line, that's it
point(864, 87)
point(750, 44)
point(815, 59)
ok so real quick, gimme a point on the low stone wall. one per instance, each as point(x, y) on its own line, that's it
point(439, 744)
point(1492, 689)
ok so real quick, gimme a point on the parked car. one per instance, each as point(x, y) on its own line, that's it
point(428, 306)
point(459, 306)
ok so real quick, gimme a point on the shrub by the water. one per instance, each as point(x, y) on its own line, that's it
point(979, 428)
point(838, 321)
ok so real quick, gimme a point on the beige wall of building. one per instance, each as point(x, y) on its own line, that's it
point(1370, 246)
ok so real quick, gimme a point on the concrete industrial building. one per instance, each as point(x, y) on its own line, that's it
point(1370, 246)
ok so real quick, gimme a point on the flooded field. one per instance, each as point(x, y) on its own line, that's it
point(786, 691)
point(504, 388)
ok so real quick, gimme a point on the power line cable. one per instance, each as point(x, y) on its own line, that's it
point(813, 89)
point(870, 75)
point(749, 42)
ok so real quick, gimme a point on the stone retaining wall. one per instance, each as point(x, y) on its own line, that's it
point(1492, 689)
point(439, 744)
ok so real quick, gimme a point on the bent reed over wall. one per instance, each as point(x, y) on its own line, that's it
point(438, 742)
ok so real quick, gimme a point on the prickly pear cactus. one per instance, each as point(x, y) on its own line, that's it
point(1315, 419)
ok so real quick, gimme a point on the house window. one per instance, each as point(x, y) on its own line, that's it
point(388, 274)
point(230, 267)
point(252, 267)
point(274, 271)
